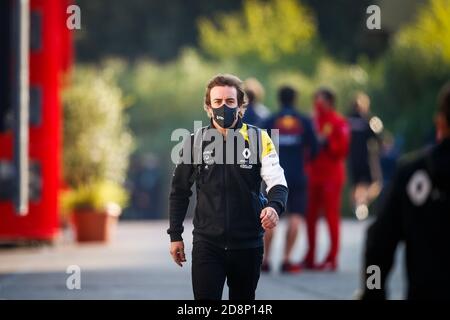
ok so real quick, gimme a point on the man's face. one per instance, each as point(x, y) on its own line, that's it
point(321, 104)
point(362, 108)
point(223, 95)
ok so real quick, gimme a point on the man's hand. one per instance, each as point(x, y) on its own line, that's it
point(269, 218)
point(177, 252)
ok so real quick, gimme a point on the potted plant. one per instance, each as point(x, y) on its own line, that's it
point(97, 145)
point(95, 209)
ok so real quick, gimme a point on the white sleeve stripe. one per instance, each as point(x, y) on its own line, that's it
point(271, 171)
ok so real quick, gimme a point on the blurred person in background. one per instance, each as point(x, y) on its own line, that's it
point(230, 215)
point(253, 85)
point(144, 180)
point(416, 211)
point(250, 115)
point(390, 152)
point(297, 145)
point(326, 178)
point(364, 157)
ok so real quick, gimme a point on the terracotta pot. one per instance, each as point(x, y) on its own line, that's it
point(93, 226)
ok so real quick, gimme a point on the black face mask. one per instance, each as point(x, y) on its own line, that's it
point(224, 115)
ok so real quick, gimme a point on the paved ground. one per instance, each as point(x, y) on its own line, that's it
point(136, 265)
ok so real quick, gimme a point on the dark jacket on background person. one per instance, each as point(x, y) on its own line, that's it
point(297, 143)
point(416, 211)
point(359, 158)
point(229, 201)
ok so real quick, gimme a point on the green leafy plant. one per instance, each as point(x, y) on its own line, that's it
point(412, 72)
point(104, 197)
point(97, 141)
point(268, 31)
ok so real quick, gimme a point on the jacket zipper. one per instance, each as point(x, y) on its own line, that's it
point(225, 196)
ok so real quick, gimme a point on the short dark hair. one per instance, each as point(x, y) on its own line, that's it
point(226, 80)
point(444, 102)
point(287, 95)
point(327, 94)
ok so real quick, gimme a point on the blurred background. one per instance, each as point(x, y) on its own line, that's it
point(105, 98)
point(162, 54)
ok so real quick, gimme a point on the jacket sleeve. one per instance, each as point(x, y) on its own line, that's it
point(273, 175)
point(382, 239)
point(180, 193)
point(338, 143)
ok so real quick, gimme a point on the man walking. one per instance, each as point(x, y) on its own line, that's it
point(231, 214)
point(416, 211)
point(297, 145)
point(364, 158)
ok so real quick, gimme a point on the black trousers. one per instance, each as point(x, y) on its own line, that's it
point(211, 265)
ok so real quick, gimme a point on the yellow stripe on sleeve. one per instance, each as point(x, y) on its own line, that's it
point(267, 144)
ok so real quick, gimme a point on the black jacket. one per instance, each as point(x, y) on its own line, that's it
point(229, 201)
point(417, 212)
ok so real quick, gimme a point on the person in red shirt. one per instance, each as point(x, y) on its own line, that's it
point(326, 177)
